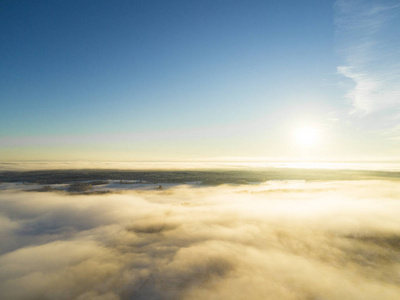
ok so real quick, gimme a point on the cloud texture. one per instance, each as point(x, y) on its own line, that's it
point(281, 240)
point(367, 34)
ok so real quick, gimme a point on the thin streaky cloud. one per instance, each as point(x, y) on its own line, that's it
point(370, 46)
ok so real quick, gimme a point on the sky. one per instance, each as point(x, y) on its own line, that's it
point(199, 80)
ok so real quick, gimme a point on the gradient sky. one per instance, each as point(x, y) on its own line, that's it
point(193, 80)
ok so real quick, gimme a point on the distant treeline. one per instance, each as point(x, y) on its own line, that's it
point(213, 177)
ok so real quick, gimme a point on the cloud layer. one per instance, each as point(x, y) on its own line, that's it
point(281, 240)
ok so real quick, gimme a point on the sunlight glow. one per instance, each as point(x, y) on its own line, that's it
point(307, 136)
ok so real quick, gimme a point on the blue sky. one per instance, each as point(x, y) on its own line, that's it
point(149, 80)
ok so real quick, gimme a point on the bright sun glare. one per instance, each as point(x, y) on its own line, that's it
point(307, 136)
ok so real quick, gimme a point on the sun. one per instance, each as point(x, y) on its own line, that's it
point(307, 136)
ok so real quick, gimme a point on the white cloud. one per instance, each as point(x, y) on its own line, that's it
point(369, 42)
point(287, 242)
point(369, 94)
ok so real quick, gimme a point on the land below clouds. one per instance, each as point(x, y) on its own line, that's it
point(206, 177)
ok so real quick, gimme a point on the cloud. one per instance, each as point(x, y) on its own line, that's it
point(368, 40)
point(200, 164)
point(371, 93)
point(315, 240)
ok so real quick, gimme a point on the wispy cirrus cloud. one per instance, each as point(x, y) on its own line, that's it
point(368, 40)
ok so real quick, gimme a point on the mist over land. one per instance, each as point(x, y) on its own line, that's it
point(248, 234)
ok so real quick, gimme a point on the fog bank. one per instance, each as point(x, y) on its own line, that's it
point(280, 240)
